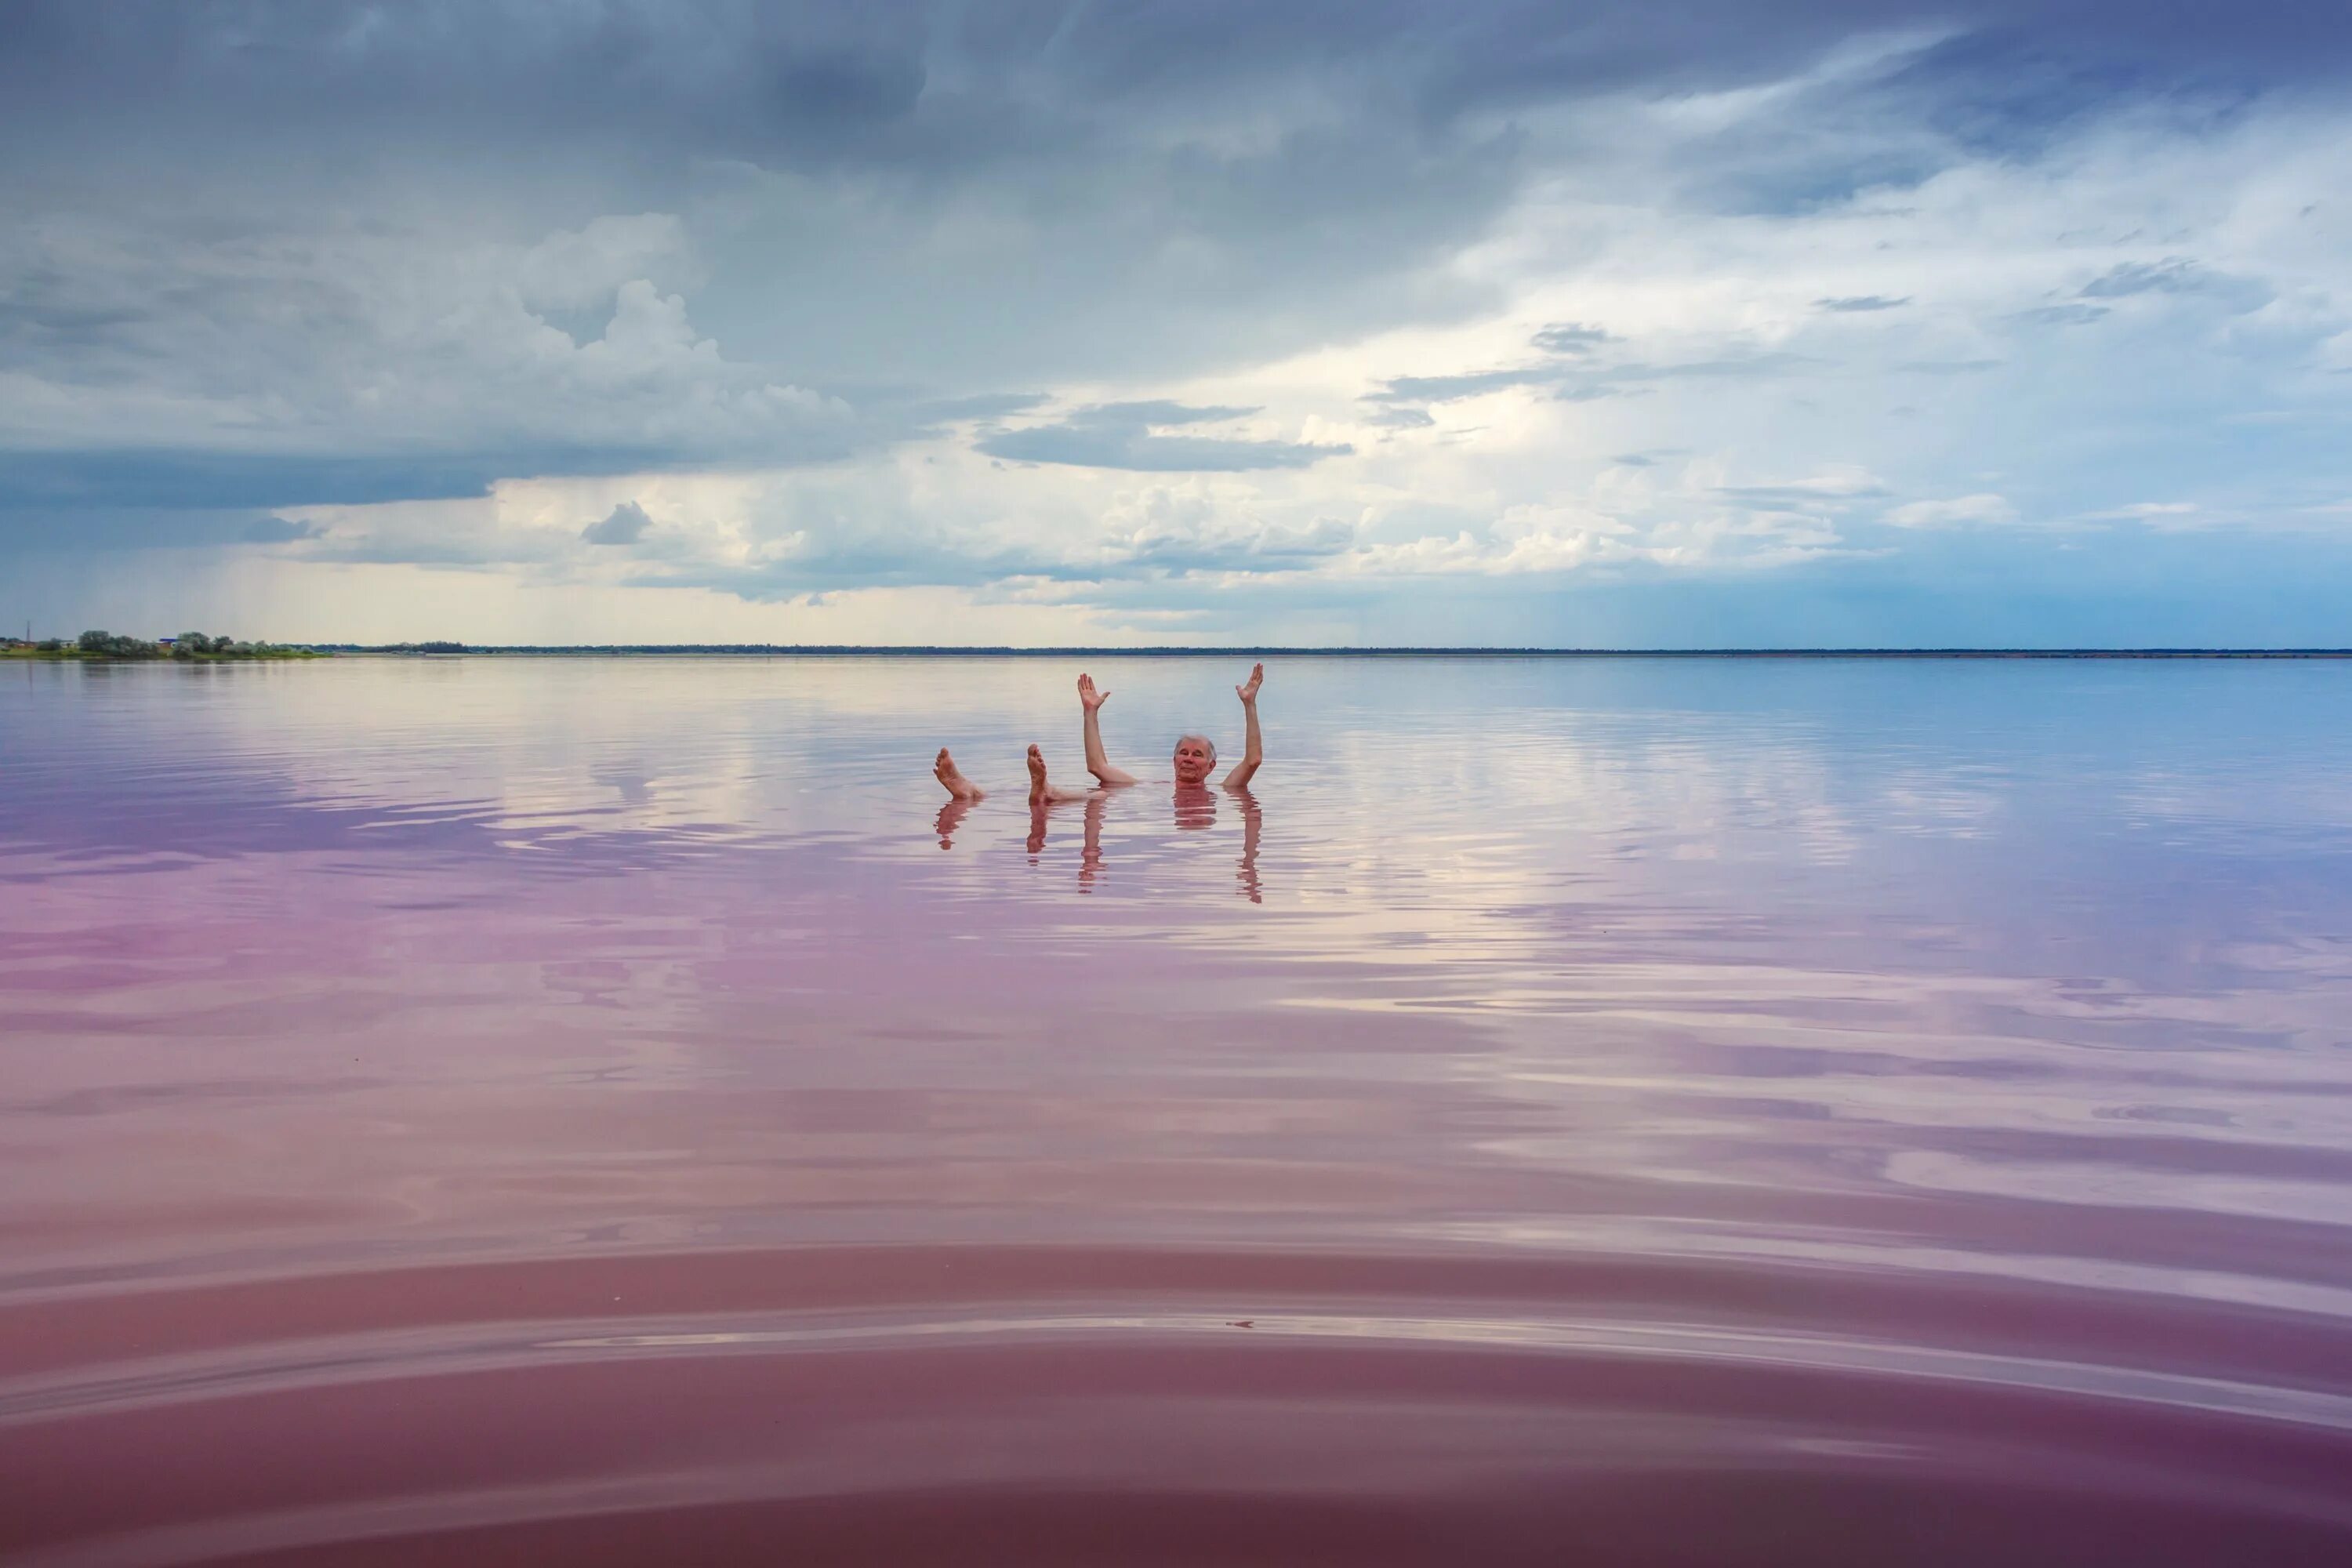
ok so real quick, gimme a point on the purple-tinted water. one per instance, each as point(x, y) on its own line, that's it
point(1633, 1112)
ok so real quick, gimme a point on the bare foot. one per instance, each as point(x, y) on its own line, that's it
point(1040, 792)
point(949, 774)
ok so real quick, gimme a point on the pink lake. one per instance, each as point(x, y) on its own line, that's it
point(1621, 1112)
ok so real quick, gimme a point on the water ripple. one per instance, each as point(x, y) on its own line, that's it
point(1673, 1113)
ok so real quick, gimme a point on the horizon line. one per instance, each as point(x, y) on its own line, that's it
point(452, 648)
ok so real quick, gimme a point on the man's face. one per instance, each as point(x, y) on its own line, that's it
point(1193, 761)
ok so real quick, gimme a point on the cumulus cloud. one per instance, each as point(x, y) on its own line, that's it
point(584, 268)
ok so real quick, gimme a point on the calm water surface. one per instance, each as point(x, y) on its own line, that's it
point(1618, 1111)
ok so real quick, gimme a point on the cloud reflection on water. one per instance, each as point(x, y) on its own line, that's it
point(1776, 998)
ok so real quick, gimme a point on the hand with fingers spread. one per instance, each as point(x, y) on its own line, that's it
point(1099, 761)
point(1253, 744)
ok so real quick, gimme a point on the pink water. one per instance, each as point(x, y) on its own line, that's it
point(1637, 1112)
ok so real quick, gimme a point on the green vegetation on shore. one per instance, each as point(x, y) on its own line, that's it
point(189, 648)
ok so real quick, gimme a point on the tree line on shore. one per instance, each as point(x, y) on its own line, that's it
point(187, 647)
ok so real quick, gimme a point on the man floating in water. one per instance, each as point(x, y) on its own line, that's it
point(1195, 758)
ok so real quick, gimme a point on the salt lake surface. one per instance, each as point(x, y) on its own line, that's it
point(1628, 1111)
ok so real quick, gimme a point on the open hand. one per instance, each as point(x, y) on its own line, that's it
point(1088, 696)
point(1247, 690)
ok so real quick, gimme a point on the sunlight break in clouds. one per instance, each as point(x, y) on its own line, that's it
point(907, 325)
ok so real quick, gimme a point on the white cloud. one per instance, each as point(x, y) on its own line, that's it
point(583, 269)
point(1960, 512)
point(2150, 509)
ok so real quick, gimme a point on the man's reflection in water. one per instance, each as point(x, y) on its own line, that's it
point(952, 817)
point(1090, 859)
point(1195, 806)
point(1251, 821)
point(1195, 810)
point(1090, 854)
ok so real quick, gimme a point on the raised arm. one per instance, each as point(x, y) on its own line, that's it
point(1253, 747)
point(1096, 762)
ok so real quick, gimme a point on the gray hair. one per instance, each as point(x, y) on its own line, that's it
point(1204, 741)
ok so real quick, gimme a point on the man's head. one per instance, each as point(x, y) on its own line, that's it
point(1195, 755)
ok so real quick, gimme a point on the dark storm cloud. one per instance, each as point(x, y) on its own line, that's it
point(862, 59)
point(235, 206)
point(924, 89)
point(1128, 435)
point(929, 86)
point(109, 478)
point(815, 79)
point(280, 531)
point(100, 530)
point(623, 525)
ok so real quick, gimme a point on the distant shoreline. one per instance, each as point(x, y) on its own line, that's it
point(758, 650)
point(79, 655)
point(82, 656)
point(829, 650)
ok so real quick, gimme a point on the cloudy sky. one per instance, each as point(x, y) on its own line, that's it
point(1626, 322)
